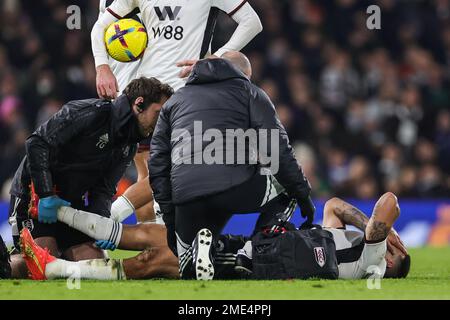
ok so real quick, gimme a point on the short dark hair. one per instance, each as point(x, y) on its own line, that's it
point(400, 269)
point(151, 89)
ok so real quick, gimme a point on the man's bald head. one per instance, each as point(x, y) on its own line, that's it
point(240, 61)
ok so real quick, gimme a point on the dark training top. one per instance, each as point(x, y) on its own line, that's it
point(84, 148)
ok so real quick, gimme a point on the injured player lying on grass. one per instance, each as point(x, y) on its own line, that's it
point(379, 245)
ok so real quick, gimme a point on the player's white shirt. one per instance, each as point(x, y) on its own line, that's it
point(361, 260)
point(124, 72)
point(177, 30)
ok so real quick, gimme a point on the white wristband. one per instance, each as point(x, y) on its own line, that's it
point(101, 60)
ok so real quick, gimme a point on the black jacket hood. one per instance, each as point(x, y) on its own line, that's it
point(214, 70)
point(125, 123)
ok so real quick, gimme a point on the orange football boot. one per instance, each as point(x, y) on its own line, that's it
point(35, 257)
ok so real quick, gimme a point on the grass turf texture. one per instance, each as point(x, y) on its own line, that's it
point(429, 278)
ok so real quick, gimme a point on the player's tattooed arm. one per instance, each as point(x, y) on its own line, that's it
point(351, 215)
point(377, 231)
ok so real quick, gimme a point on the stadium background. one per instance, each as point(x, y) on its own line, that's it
point(367, 110)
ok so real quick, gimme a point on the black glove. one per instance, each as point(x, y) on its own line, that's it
point(307, 209)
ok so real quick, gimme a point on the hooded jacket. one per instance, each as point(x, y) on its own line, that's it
point(84, 148)
point(219, 96)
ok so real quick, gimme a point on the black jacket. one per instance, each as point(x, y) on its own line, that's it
point(221, 97)
point(85, 147)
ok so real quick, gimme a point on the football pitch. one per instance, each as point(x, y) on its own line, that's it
point(429, 278)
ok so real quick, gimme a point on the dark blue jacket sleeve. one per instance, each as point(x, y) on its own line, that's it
point(159, 164)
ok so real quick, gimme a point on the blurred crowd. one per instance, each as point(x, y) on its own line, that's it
point(367, 110)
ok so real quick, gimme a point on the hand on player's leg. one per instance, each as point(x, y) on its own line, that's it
point(48, 208)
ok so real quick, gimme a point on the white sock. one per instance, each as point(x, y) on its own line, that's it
point(95, 226)
point(246, 250)
point(159, 220)
point(97, 269)
point(121, 209)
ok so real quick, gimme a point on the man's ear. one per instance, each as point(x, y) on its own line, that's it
point(138, 105)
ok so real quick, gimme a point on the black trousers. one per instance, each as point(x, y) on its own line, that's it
point(259, 194)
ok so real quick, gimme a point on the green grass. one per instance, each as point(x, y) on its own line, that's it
point(429, 279)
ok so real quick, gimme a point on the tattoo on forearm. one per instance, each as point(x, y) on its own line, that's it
point(352, 216)
point(377, 231)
